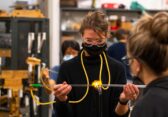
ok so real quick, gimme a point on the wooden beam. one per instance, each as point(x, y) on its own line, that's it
point(13, 78)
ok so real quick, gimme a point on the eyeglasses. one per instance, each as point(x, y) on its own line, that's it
point(98, 45)
point(99, 42)
point(126, 60)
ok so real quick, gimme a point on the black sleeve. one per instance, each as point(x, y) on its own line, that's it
point(63, 109)
point(147, 108)
point(120, 79)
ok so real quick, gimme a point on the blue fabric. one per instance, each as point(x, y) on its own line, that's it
point(117, 51)
point(54, 74)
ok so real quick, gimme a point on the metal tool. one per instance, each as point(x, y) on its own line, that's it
point(85, 85)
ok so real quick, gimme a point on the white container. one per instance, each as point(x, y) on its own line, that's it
point(84, 3)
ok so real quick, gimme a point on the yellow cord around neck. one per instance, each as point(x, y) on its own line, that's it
point(100, 72)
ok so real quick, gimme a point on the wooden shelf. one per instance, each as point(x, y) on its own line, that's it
point(74, 9)
point(5, 52)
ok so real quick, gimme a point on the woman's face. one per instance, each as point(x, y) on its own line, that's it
point(93, 38)
point(71, 51)
point(69, 54)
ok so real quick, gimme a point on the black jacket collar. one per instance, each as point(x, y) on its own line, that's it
point(161, 82)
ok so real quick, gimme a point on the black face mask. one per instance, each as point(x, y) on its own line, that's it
point(94, 50)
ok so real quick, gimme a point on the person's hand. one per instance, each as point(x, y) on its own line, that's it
point(61, 91)
point(130, 92)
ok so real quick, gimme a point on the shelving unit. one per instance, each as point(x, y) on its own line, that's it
point(16, 54)
point(73, 16)
point(18, 29)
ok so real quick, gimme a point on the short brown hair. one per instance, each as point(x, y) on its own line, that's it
point(149, 42)
point(96, 21)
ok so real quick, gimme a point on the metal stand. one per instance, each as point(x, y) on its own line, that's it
point(100, 101)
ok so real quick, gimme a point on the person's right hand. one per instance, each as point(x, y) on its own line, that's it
point(61, 91)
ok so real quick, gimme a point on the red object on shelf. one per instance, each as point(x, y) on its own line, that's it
point(114, 28)
point(110, 5)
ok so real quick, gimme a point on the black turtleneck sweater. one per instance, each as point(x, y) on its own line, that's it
point(73, 73)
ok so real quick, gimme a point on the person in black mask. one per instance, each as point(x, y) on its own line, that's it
point(148, 41)
point(74, 94)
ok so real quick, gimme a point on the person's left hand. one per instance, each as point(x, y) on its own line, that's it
point(130, 92)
